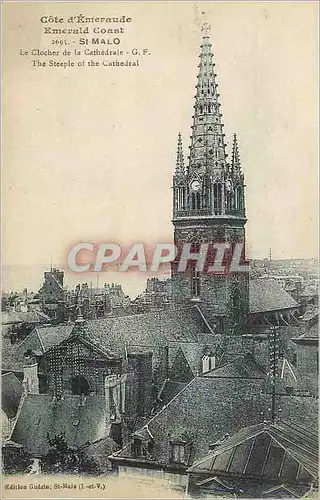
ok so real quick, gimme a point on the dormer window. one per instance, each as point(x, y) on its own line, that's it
point(142, 444)
point(136, 448)
point(180, 452)
point(208, 363)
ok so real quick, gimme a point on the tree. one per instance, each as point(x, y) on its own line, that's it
point(60, 457)
point(15, 461)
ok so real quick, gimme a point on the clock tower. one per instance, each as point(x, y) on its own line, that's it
point(209, 208)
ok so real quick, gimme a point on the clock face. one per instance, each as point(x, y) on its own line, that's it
point(195, 185)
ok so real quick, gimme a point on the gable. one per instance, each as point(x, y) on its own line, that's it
point(51, 284)
point(87, 347)
point(180, 370)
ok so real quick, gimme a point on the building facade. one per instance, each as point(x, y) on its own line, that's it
point(209, 207)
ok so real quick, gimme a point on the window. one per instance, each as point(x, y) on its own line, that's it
point(142, 444)
point(195, 201)
point(208, 363)
point(195, 283)
point(136, 448)
point(195, 246)
point(113, 410)
point(180, 450)
point(217, 198)
point(238, 198)
point(178, 453)
point(141, 448)
point(80, 385)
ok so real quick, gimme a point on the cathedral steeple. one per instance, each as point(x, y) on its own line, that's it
point(209, 204)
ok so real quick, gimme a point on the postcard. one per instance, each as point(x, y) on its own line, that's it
point(160, 257)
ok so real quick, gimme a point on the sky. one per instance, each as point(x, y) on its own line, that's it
point(89, 153)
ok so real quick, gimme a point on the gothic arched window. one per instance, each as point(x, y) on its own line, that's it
point(195, 282)
point(217, 198)
point(195, 201)
point(229, 202)
point(238, 198)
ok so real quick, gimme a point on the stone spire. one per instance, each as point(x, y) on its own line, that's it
point(79, 324)
point(207, 150)
point(235, 164)
point(180, 159)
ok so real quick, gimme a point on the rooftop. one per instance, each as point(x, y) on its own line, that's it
point(208, 408)
point(283, 451)
point(13, 317)
point(268, 295)
point(82, 422)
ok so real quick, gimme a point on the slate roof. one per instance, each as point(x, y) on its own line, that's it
point(12, 317)
point(170, 389)
point(241, 367)
point(268, 295)
point(205, 411)
point(38, 341)
point(152, 329)
point(208, 408)
point(120, 333)
point(279, 451)
point(40, 415)
point(11, 359)
point(99, 452)
point(11, 389)
point(50, 336)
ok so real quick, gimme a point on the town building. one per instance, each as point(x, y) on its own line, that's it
point(267, 460)
point(209, 205)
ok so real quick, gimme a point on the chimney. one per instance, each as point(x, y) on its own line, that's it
point(30, 381)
